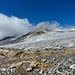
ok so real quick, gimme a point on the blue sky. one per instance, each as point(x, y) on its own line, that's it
point(62, 11)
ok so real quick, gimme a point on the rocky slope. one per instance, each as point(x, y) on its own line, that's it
point(40, 62)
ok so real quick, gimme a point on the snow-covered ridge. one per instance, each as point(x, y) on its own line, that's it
point(44, 39)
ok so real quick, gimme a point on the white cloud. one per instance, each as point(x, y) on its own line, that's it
point(13, 26)
point(46, 26)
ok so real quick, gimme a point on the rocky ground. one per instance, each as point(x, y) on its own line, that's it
point(40, 62)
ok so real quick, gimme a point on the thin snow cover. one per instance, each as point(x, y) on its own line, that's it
point(51, 39)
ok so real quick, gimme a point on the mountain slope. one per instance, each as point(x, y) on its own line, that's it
point(44, 39)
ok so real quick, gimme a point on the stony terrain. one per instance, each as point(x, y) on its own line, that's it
point(40, 62)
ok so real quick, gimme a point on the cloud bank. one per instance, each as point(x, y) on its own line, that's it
point(47, 26)
point(14, 26)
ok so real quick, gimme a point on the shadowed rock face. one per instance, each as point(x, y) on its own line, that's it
point(40, 62)
point(7, 40)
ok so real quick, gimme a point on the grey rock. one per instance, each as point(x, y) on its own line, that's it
point(53, 59)
point(29, 69)
point(41, 71)
point(3, 69)
point(12, 66)
point(44, 60)
point(72, 66)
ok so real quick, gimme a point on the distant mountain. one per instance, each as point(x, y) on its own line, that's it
point(41, 38)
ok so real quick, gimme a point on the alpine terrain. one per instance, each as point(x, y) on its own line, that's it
point(41, 51)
